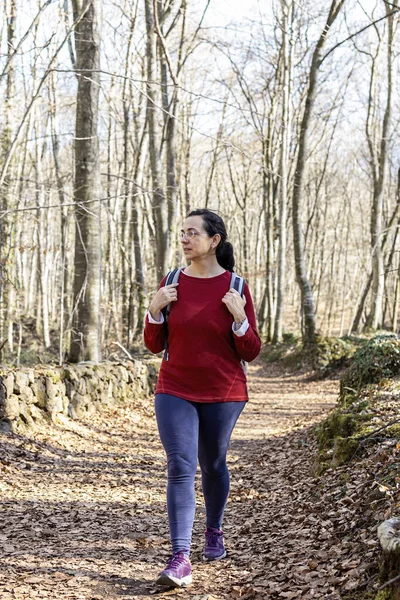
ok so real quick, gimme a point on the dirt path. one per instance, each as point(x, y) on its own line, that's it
point(83, 507)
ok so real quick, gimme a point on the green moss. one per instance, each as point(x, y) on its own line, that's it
point(333, 351)
point(344, 450)
point(338, 424)
point(384, 595)
point(377, 360)
point(54, 375)
point(392, 432)
point(339, 438)
point(327, 354)
point(321, 466)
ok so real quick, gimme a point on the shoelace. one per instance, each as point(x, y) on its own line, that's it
point(212, 538)
point(176, 560)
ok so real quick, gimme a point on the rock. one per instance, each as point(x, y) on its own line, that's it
point(8, 381)
point(79, 406)
point(65, 404)
point(36, 413)
point(389, 538)
point(24, 413)
point(27, 395)
point(2, 399)
point(12, 407)
point(5, 426)
point(31, 375)
point(39, 391)
point(105, 399)
point(21, 381)
point(122, 373)
point(51, 389)
point(81, 386)
point(54, 405)
point(389, 535)
point(70, 374)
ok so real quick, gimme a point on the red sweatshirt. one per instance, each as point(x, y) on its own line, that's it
point(204, 353)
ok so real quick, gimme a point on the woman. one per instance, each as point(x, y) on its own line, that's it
point(201, 388)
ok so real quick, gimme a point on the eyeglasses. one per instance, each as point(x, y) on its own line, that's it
point(189, 234)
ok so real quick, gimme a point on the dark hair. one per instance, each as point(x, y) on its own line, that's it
point(213, 224)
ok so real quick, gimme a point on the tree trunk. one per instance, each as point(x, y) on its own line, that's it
point(169, 107)
point(64, 309)
point(283, 167)
point(307, 299)
point(5, 222)
point(85, 341)
point(138, 281)
point(374, 320)
point(159, 203)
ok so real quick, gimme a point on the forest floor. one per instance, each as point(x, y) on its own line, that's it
point(83, 506)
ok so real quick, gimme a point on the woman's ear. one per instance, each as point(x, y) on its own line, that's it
point(216, 240)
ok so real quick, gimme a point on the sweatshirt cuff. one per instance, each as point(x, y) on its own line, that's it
point(153, 321)
point(242, 329)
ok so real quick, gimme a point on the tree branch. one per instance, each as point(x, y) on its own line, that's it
point(357, 33)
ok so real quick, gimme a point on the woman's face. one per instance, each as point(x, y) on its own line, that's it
point(196, 241)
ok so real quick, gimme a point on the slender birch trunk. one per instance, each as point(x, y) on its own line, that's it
point(6, 307)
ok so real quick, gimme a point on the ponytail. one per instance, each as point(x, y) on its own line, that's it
point(225, 255)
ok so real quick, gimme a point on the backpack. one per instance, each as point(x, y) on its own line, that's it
point(236, 283)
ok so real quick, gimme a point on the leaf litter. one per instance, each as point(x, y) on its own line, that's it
point(83, 512)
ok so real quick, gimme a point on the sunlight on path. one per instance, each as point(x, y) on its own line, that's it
point(279, 404)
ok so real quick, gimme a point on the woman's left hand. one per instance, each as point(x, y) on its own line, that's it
point(235, 304)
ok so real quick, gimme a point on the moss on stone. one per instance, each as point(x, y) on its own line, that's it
point(339, 438)
point(54, 375)
point(377, 360)
point(338, 424)
point(332, 351)
point(344, 448)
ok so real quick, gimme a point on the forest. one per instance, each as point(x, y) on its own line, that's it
point(118, 117)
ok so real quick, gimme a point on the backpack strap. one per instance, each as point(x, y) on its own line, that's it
point(237, 283)
point(172, 277)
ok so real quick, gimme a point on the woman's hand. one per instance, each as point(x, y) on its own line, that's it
point(165, 295)
point(235, 304)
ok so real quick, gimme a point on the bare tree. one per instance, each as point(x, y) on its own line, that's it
point(379, 155)
point(159, 201)
point(286, 58)
point(307, 300)
point(5, 221)
point(85, 340)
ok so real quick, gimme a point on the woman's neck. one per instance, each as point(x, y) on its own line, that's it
point(204, 269)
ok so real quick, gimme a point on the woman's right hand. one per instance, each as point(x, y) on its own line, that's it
point(165, 295)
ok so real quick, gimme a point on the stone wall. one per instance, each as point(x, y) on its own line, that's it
point(31, 394)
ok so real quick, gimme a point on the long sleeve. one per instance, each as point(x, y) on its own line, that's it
point(248, 345)
point(154, 332)
point(154, 336)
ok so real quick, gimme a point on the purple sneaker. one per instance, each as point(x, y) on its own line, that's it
point(214, 549)
point(177, 573)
